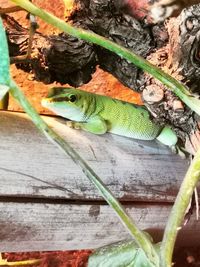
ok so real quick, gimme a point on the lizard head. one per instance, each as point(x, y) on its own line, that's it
point(69, 103)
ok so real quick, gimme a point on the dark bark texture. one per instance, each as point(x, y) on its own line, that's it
point(185, 52)
point(164, 9)
point(66, 59)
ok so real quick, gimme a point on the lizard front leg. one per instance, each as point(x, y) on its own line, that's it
point(95, 125)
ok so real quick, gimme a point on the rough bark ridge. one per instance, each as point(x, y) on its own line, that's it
point(66, 59)
point(163, 9)
point(185, 51)
point(180, 58)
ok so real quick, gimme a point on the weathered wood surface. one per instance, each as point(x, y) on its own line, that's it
point(46, 202)
point(30, 166)
point(33, 227)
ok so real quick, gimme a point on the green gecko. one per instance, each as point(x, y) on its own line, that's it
point(100, 114)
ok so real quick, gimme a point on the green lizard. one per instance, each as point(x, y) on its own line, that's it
point(100, 114)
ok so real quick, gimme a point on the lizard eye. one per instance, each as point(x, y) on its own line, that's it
point(72, 98)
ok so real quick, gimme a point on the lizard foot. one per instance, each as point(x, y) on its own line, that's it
point(73, 125)
point(181, 151)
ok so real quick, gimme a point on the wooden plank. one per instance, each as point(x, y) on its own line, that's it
point(134, 171)
point(34, 226)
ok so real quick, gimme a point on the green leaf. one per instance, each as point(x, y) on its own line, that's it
point(121, 254)
point(4, 63)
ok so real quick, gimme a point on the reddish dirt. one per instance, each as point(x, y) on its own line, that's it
point(53, 259)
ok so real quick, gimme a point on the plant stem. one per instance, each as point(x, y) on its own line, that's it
point(175, 86)
point(178, 211)
point(138, 235)
point(6, 263)
point(5, 64)
point(4, 101)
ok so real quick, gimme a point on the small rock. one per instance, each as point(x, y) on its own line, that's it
point(152, 94)
point(190, 259)
point(178, 106)
point(30, 77)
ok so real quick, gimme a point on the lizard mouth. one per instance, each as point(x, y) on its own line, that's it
point(48, 101)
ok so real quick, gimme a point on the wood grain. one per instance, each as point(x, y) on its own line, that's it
point(46, 202)
point(30, 166)
point(34, 226)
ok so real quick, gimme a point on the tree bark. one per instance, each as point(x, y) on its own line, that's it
point(163, 9)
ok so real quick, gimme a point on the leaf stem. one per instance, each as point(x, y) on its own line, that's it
point(141, 239)
point(175, 86)
point(178, 211)
point(6, 263)
point(5, 64)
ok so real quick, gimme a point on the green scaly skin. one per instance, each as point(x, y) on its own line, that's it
point(100, 114)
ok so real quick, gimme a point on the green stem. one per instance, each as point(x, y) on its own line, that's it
point(175, 86)
point(5, 64)
point(178, 211)
point(138, 235)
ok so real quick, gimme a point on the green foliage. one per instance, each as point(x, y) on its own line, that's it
point(121, 254)
point(5, 63)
